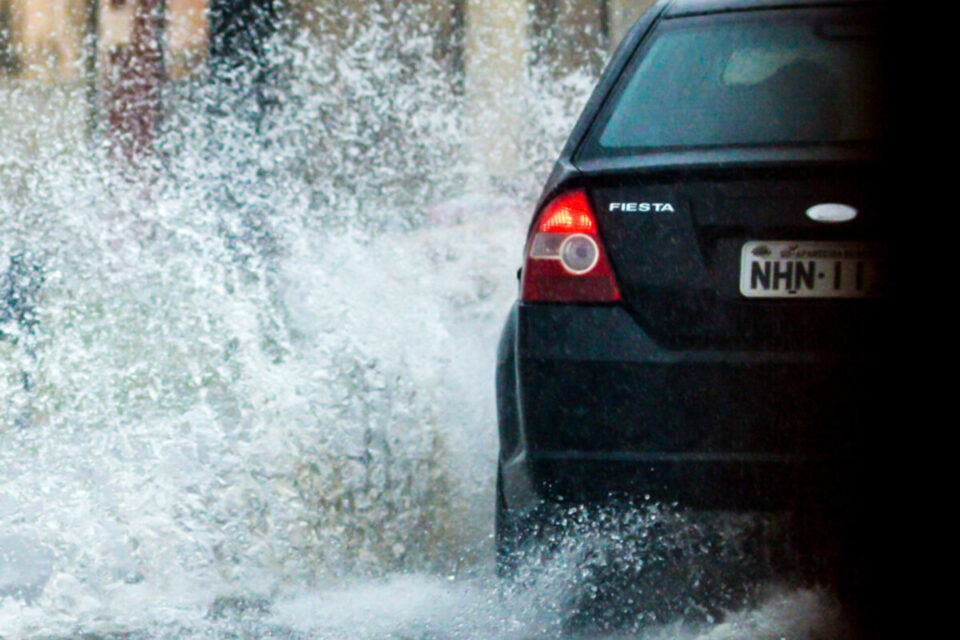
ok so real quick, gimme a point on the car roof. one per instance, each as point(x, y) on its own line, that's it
point(692, 7)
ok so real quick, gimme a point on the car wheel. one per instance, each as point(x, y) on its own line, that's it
point(511, 534)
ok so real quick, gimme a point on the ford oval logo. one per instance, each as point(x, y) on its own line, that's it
point(831, 212)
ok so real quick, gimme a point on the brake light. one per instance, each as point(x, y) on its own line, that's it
point(569, 213)
point(565, 260)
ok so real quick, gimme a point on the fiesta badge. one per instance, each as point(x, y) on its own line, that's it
point(831, 212)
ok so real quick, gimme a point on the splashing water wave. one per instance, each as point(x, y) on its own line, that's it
point(251, 395)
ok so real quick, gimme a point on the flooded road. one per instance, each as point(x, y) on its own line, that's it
point(251, 395)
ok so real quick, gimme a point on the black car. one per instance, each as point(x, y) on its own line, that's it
point(706, 278)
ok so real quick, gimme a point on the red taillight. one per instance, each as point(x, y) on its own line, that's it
point(569, 213)
point(565, 260)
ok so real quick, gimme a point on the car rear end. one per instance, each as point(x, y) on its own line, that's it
point(704, 296)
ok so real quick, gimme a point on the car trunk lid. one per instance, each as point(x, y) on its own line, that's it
point(677, 245)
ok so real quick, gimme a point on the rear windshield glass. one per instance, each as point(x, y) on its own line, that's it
point(758, 78)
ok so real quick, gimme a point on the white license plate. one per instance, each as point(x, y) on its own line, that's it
point(810, 270)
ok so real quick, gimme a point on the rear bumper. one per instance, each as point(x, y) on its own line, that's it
point(600, 409)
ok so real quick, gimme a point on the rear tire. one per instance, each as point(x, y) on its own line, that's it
point(510, 534)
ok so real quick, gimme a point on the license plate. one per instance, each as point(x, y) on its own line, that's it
point(810, 270)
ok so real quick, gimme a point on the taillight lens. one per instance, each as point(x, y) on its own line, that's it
point(565, 259)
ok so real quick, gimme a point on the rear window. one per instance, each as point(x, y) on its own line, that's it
point(755, 78)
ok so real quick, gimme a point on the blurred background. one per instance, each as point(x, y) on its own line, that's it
point(485, 46)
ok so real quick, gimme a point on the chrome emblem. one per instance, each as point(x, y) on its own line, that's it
point(831, 212)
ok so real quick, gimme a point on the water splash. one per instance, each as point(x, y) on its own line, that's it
point(249, 390)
